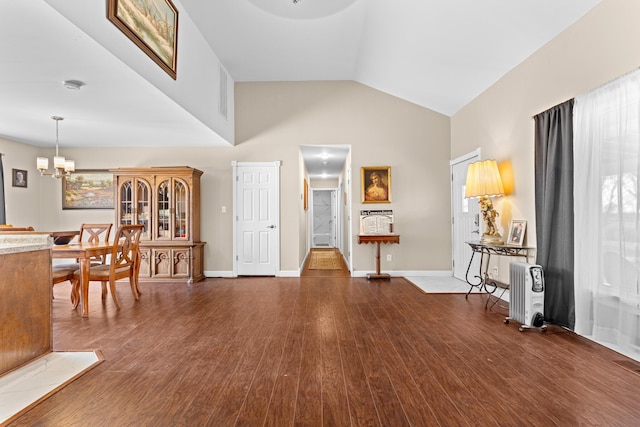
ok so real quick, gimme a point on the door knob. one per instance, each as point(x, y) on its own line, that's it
point(271, 226)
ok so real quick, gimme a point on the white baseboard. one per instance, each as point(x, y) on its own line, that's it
point(394, 273)
point(229, 274)
point(225, 274)
point(291, 273)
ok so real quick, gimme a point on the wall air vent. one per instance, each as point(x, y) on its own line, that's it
point(223, 102)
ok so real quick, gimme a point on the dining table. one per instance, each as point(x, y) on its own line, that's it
point(83, 251)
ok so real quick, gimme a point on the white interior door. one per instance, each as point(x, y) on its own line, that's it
point(465, 217)
point(256, 210)
point(323, 218)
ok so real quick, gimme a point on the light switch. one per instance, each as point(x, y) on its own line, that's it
point(224, 209)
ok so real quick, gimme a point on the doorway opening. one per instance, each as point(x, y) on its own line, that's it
point(323, 218)
point(465, 221)
point(327, 219)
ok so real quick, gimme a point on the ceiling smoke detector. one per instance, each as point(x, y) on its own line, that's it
point(73, 84)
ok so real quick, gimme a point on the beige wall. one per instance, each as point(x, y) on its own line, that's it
point(275, 118)
point(21, 202)
point(272, 121)
point(598, 48)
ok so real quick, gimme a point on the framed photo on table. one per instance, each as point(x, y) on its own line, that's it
point(375, 184)
point(152, 25)
point(517, 229)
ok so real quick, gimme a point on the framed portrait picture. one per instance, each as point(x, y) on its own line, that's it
point(375, 184)
point(517, 229)
point(152, 25)
point(88, 189)
point(19, 178)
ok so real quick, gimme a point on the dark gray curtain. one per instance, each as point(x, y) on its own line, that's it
point(3, 214)
point(554, 210)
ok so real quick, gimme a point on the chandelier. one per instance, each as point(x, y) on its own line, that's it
point(61, 166)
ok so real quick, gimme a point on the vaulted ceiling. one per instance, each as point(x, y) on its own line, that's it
point(435, 53)
point(439, 54)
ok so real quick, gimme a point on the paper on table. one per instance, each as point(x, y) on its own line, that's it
point(376, 222)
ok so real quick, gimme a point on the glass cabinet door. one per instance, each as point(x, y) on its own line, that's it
point(164, 204)
point(173, 209)
point(134, 200)
point(126, 203)
point(180, 195)
point(143, 204)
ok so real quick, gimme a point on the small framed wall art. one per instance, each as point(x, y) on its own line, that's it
point(375, 184)
point(19, 178)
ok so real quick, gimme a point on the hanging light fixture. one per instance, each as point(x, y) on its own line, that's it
point(61, 166)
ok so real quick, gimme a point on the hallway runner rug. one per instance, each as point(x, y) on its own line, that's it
point(324, 260)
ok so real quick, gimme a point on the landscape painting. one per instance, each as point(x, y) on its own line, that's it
point(150, 24)
point(88, 189)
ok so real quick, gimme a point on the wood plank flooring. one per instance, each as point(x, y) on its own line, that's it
point(326, 351)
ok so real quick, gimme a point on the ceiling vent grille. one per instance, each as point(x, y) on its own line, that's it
point(223, 104)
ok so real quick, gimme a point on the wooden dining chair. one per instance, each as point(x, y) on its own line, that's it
point(123, 263)
point(63, 272)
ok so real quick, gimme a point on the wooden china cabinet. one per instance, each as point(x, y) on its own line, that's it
point(166, 200)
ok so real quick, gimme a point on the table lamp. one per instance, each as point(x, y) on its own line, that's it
point(483, 181)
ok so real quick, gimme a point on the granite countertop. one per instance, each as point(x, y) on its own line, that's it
point(27, 242)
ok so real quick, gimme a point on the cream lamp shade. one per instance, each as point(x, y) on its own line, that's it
point(483, 179)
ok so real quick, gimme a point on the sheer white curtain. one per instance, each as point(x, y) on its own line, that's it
point(607, 218)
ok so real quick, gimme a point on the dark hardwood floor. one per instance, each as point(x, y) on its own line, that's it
point(332, 351)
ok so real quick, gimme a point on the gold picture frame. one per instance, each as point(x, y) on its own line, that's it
point(375, 184)
point(88, 189)
point(152, 25)
point(517, 229)
point(305, 194)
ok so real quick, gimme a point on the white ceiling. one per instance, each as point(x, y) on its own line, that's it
point(324, 161)
point(439, 54)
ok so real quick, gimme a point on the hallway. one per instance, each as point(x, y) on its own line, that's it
point(337, 258)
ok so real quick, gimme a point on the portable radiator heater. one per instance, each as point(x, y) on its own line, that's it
point(526, 298)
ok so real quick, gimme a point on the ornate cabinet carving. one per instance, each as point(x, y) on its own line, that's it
point(167, 201)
